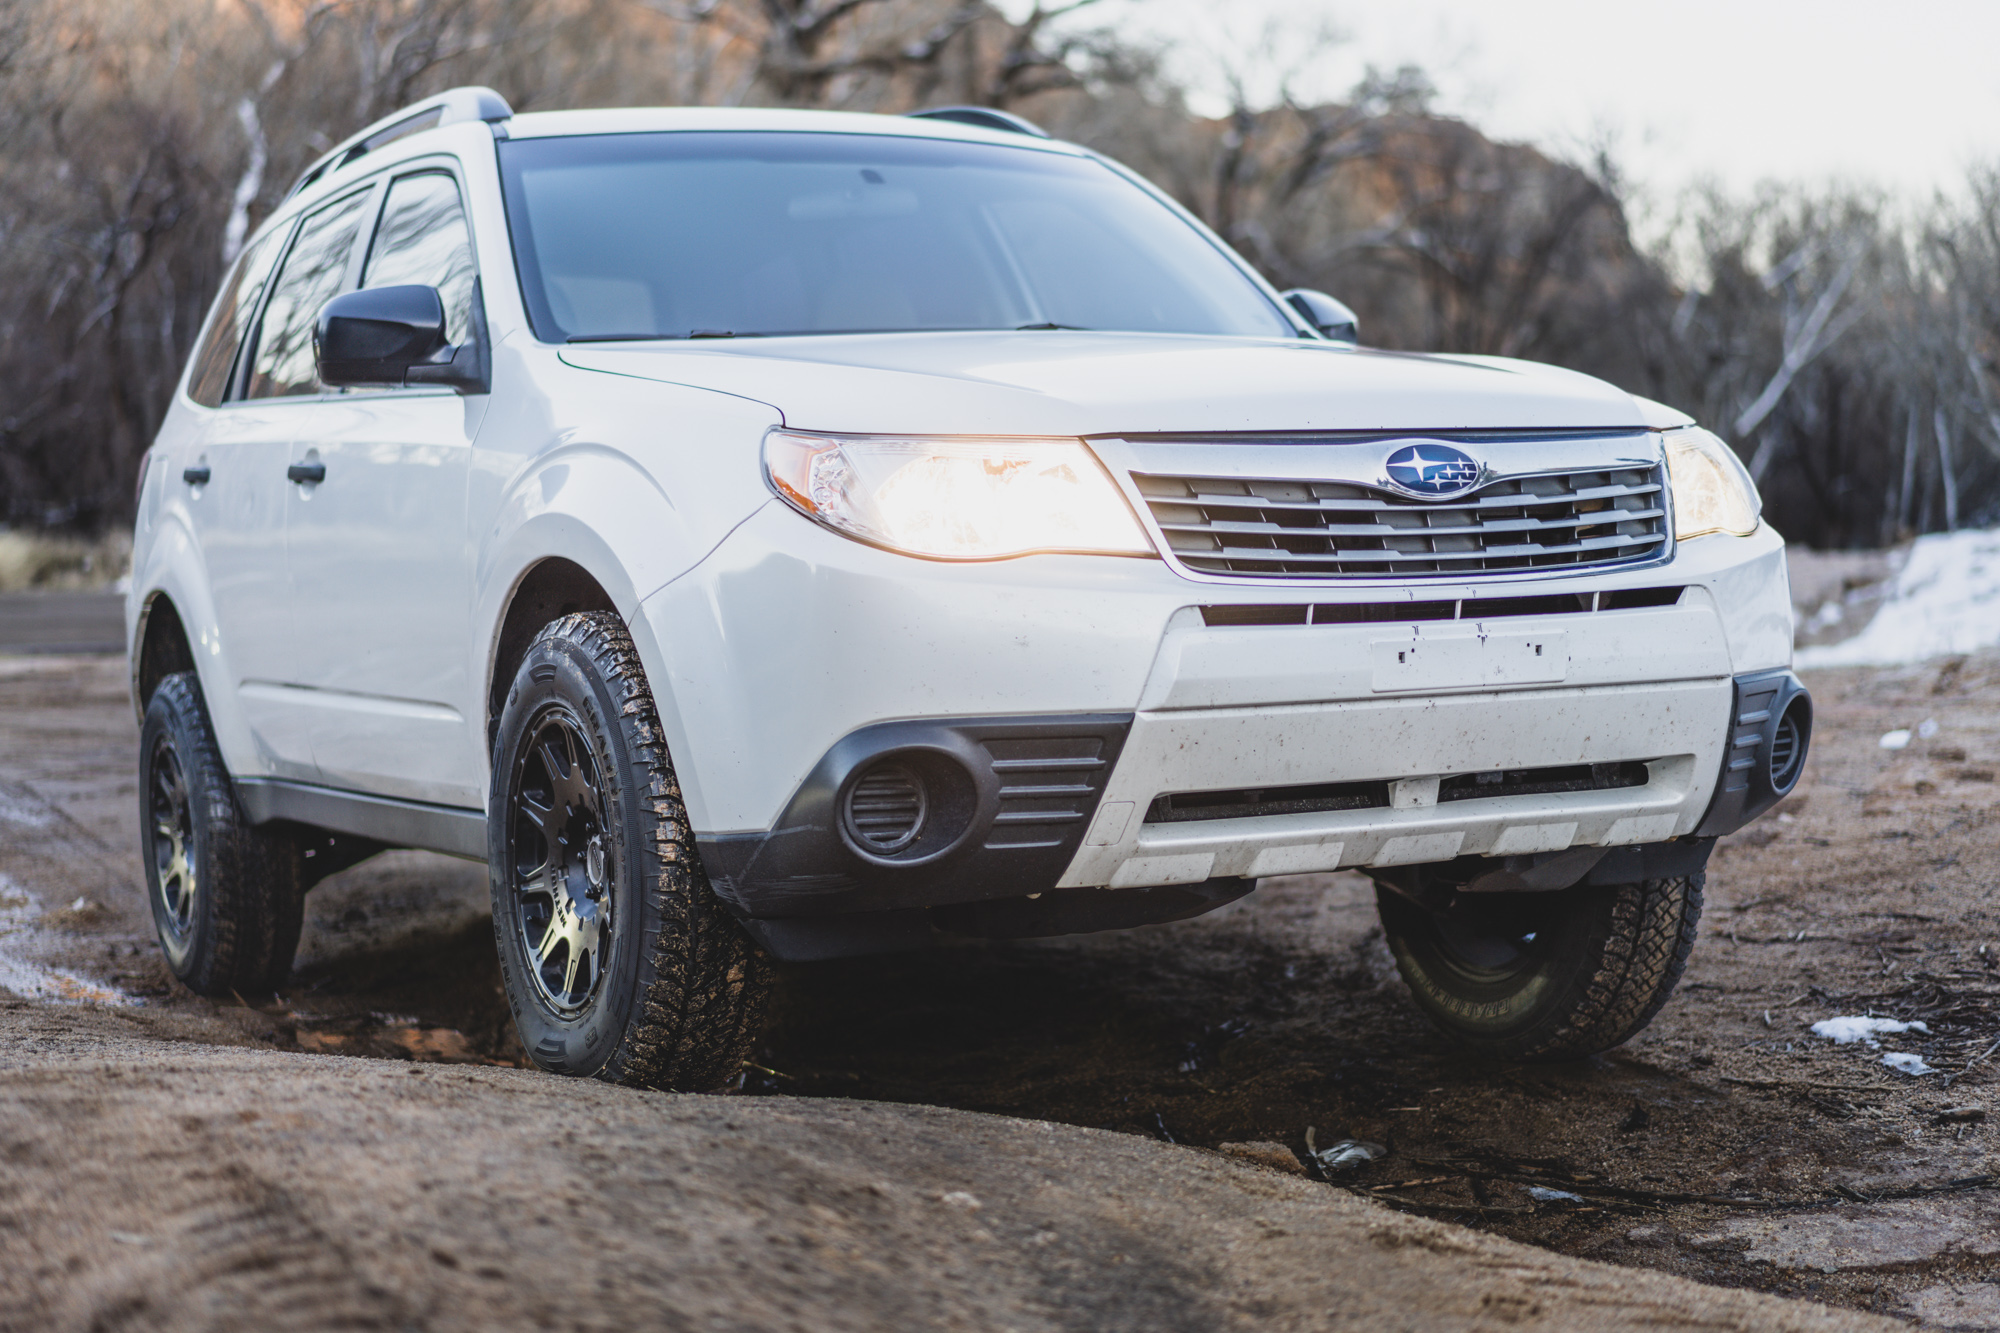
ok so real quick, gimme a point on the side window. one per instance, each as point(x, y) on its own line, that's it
point(230, 318)
point(423, 239)
point(310, 278)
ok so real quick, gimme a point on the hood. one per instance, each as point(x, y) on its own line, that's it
point(1076, 383)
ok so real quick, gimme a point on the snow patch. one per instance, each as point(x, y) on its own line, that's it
point(1946, 600)
point(19, 812)
point(1843, 1031)
point(1905, 1063)
point(32, 981)
point(1543, 1194)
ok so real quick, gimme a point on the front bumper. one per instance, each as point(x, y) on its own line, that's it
point(793, 657)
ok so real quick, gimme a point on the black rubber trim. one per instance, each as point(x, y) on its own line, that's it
point(1035, 784)
point(1652, 860)
point(1745, 789)
point(805, 939)
point(1546, 872)
point(394, 823)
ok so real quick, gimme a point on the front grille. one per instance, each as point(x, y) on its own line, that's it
point(1543, 781)
point(1337, 529)
point(1250, 802)
point(1180, 807)
point(1469, 608)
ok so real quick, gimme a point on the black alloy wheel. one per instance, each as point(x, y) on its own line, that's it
point(175, 885)
point(559, 859)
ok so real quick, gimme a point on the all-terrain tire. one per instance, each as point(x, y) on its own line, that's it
point(677, 998)
point(227, 897)
point(1546, 976)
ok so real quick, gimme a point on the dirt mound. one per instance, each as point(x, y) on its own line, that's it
point(198, 1187)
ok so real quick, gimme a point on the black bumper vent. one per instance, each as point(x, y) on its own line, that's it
point(885, 809)
point(1770, 732)
point(923, 813)
point(1249, 803)
point(1048, 785)
point(1409, 613)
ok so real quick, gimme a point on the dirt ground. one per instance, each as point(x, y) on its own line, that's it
point(1726, 1144)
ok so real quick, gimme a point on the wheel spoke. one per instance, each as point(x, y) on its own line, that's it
point(545, 817)
point(566, 783)
point(554, 796)
point(551, 937)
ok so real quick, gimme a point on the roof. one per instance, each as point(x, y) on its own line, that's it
point(640, 120)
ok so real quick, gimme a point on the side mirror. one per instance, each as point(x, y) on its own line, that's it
point(393, 335)
point(1332, 318)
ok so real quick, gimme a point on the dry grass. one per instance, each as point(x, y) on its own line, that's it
point(41, 561)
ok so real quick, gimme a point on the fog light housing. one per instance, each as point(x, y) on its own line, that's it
point(908, 807)
point(1788, 744)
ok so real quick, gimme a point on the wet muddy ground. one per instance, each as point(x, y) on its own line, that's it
point(1726, 1144)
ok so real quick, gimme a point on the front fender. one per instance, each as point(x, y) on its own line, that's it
point(636, 488)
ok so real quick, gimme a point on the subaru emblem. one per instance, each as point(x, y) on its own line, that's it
point(1432, 470)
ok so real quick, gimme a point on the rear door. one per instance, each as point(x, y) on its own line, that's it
point(379, 561)
point(240, 509)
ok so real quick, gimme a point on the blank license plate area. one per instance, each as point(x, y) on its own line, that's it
point(1469, 661)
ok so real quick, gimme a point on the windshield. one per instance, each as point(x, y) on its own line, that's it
point(701, 234)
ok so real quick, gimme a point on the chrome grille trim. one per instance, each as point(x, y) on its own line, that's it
point(1276, 528)
point(1257, 510)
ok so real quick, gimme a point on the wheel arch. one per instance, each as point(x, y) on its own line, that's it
point(552, 587)
point(162, 648)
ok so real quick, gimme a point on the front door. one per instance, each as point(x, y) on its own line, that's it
point(378, 550)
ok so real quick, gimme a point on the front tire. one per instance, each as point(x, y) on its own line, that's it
point(1546, 976)
point(618, 960)
point(227, 897)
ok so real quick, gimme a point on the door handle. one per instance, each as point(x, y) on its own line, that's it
point(306, 472)
point(195, 476)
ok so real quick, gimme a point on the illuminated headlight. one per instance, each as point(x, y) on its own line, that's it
point(1712, 489)
point(955, 499)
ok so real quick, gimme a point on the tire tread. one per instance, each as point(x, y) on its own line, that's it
point(251, 879)
point(703, 986)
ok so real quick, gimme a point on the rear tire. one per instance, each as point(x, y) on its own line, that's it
point(227, 897)
point(618, 959)
point(1546, 976)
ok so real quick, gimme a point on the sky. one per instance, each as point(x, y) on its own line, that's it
point(1904, 95)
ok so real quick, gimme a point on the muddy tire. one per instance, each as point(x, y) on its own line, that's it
point(618, 960)
point(227, 897)
point(1546, 976)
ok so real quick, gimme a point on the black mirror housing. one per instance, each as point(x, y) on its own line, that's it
point(1332, 318)
point(393, 336)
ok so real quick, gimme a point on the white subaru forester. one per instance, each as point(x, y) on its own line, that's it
point(788, 534)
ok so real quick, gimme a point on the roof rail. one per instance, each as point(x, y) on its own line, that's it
point(451, 107)
point(985, 117)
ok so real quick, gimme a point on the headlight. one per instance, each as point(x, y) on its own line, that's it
point(1712, 489)
point(955, 499)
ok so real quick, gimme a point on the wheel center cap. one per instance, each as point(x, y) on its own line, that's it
point(593, 863)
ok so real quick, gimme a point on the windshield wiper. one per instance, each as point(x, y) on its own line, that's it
point(656, 337)
point(1031, 328)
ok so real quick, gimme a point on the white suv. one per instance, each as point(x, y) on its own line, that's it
point(795, 534)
